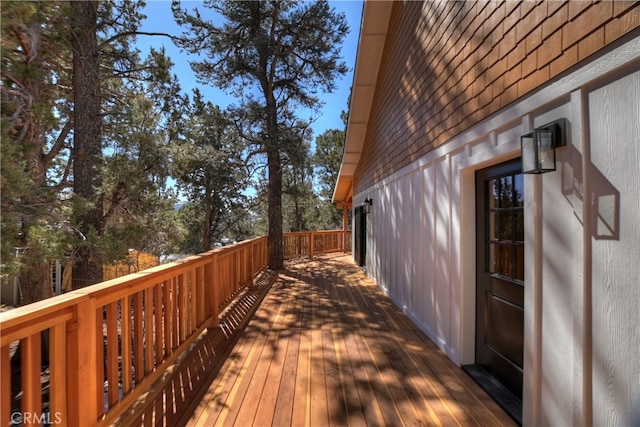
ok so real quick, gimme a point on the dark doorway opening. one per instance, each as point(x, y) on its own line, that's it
point(360, 237)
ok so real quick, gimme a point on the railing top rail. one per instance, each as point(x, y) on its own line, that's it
point(301, 233)
point(113, 289)
point(24, 314)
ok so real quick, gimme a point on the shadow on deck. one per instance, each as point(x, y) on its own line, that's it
point(316, 344)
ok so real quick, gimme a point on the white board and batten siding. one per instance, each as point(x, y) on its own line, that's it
point(421, 242)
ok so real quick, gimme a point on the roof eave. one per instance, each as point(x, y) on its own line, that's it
point(373, 33)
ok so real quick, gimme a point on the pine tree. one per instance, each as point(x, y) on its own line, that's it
point(87, 139)
point(273, 56)
point(114, 93)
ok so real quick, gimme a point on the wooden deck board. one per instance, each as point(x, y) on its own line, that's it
point(301, 401)
point(283, 411)
point(327, 348)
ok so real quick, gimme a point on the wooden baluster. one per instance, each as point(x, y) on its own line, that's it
point(200, 296)
point(58, 374)
point(192, 306)
point(175, 303)
point(112, 353)
point(5, 386)
point(225, 279)
point(184, 306)
point(31, 367)
point(212, 288)
point(168, 317)
point(125, 338)
point(158, 310)
point(138, 341)
point(234, 272)
point(148, 330)
point(243, 267)
point(99, 360)
point(254, 258)
point(182, 285)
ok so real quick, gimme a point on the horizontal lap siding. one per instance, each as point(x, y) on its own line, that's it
point(449, 65)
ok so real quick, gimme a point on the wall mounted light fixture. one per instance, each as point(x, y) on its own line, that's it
point(367, 204)
point(539, 147)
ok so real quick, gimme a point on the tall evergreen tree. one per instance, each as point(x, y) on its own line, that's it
point(109, 79)
point(208, 167)
point(273, 56)
point(87, 138)
point(34, 143)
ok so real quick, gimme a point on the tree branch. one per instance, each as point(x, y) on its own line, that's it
point(58, 145)
point(134, 33)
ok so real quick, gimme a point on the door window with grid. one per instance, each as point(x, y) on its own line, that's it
point(506, 226)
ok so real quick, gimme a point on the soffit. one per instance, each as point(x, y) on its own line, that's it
point(373, 32)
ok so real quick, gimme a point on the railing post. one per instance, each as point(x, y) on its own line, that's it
point(81, 366)
point(311, 244)
point(252, 266)
point(265, 255)
point(212, 288)
point(344, 228)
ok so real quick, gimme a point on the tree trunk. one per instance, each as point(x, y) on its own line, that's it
point(276, 250)
point(87, 147)
point(206, 232)
point(274, 165)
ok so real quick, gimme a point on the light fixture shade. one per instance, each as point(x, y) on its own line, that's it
point(546, 152)
point(529, 153)
point(367, 205)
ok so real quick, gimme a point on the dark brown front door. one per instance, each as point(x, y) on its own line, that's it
point(500, 281)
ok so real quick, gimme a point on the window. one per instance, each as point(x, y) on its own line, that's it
point(506, 226)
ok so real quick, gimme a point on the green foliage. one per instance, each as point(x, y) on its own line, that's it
point(328, 157)
point(34, 147)
point(39, 210)
point(137, 203)
point(275, 56)
point(209, 170)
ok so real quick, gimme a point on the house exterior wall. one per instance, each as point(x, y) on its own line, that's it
point(581, 259)
point(450, 65)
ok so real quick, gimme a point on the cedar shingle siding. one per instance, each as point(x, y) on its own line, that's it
point(449, 65)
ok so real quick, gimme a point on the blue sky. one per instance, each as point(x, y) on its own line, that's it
point(160, 19)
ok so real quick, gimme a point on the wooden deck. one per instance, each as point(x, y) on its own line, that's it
point(326, 347)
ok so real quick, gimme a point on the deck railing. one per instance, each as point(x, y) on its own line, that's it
point(309, 243)
point(107, 343)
